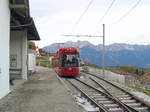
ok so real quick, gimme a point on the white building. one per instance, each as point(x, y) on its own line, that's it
point(16, 28)
point(4, 46)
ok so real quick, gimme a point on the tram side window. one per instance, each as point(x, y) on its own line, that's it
point(69, 60)
point(63, 60)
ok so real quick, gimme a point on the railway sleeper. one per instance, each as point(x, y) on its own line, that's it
point(116, 110)
point(141, 109)
point(111, 105)
point(101, 99)
point(125, 98)
point(105, 102)
point(97, 97)
point(128, 101)
point(95, 94)
point(134, 104)
point(122, 95)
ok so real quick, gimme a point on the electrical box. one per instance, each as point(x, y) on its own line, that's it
point(31, 62)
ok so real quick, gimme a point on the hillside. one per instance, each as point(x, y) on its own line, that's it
point(115, 54)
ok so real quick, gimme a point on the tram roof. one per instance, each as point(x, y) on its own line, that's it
point(69, 50)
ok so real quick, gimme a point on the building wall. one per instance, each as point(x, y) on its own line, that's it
point(24, 55)
point(4, 46)
point(18, 48)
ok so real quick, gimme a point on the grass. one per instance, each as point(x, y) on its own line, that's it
point(137, 88)
point(43, 61)
point(42, 58)
point(143, 75)
point(143, 90)
point(129, 70)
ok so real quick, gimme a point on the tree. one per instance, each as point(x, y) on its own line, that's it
point(31, 45)
point(137, 71)
point(142, 72)
point(40, 51)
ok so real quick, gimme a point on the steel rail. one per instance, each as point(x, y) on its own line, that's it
point(135, 97)
point(110, 97)
point(101, 107)
point(132, 109)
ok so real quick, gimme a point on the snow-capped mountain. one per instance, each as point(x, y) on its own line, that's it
point(80, 44)
point(115, 54)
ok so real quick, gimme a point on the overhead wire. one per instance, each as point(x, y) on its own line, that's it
point(129, 11)
point(89, 4)
point(126, 14)
point(106, 12)
point(83, 13)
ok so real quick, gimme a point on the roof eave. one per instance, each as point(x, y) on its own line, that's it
point(21, 16)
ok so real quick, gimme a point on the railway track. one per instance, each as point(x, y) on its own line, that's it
point(130, 101)
point(98, 97)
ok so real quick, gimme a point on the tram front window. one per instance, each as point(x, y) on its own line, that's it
point(70, 60)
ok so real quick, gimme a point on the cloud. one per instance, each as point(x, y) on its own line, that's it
point(56, 17)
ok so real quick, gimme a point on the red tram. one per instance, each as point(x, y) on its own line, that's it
point(66, 62)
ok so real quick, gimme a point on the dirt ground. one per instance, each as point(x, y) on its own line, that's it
point(43, 92)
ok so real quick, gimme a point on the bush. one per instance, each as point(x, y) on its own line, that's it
point(43, 61)
point(129, 69)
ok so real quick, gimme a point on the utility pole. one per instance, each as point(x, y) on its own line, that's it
point(78, 45)
point(103, 57)
point(103, 36)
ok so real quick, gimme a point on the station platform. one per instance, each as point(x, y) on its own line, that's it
point(43, 92)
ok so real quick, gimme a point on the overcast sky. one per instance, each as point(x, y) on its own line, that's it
point(54, 18)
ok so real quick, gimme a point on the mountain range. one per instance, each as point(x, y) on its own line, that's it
point(117, 54)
